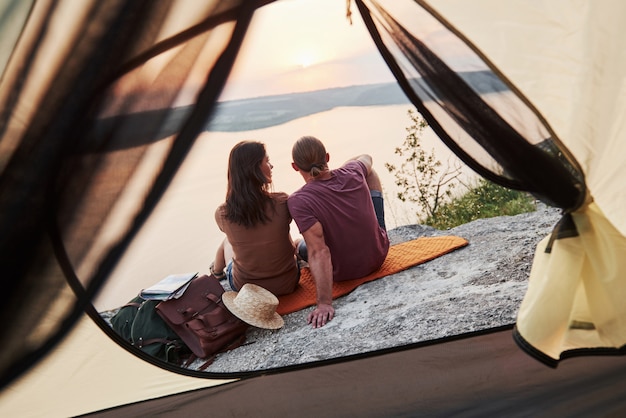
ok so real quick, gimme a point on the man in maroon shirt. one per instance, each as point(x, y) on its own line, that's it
point(341, 218)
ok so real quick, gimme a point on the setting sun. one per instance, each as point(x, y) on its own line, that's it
point(306, 59)
point(296, 46)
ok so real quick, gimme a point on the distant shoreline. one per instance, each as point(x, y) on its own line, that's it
point(263, 112)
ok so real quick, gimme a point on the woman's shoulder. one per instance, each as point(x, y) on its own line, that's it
point(279, 196)
point(220, 211)
point(220, 216)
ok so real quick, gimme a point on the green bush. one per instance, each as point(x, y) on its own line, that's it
point(424, 180)
point(486, 200)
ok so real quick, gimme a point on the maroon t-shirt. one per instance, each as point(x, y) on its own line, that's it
point(343, 205)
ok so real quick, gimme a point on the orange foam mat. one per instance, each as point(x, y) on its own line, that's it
point(401, 257)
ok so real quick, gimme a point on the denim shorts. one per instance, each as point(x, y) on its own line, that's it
point(379, 207)
point(229, 275)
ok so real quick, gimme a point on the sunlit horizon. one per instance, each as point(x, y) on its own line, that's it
point(295, 46)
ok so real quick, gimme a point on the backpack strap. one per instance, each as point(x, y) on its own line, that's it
point(142, 343)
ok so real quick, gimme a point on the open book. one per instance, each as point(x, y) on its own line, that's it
point(171, 287)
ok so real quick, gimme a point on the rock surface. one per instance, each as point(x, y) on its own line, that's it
point(476, 287)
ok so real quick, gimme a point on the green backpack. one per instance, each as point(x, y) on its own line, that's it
point(138, 323)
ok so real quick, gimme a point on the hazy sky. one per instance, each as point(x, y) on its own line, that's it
point(304, 45)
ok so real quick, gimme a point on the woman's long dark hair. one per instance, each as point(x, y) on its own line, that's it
point(248, 193)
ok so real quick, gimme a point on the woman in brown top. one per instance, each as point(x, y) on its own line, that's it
point(258, 247)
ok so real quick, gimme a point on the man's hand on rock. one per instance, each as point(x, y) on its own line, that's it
point(322, 314)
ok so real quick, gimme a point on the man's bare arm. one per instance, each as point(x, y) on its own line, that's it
point(365, 159)
point(321, 267)
point(373, 181)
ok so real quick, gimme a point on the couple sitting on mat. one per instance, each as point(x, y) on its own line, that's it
point(338, 212)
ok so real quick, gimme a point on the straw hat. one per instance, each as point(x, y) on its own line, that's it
point(255, 306)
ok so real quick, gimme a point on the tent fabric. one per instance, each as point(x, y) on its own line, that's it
point(401, 257)
point(473, 376)
point(574, 75)
point(70, 95)
point(88, 372)
point(500, 137)
point(463, 118)
point(566, 58)
point(79, 80)
point(575, 297)
point(480, 374)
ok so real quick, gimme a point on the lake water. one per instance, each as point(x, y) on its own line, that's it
point(181, 235)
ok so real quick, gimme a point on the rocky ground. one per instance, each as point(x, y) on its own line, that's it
point(477, 287)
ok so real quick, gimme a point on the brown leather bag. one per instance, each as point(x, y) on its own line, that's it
point(201, 320)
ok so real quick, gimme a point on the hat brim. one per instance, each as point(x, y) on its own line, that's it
point(275, 322)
